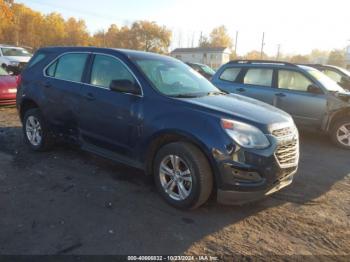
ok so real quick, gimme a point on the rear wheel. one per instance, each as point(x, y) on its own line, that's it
point(341, 133)
point(36, 132)
point(183, 175)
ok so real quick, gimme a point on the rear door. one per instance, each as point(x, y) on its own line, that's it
point(62, 84)
point(292, 96)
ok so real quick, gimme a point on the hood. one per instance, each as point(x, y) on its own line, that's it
point(243, 108)
point(20, 59)
point(7, 82)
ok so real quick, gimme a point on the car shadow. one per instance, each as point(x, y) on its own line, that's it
point(69, 201)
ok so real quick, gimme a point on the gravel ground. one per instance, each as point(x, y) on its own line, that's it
point(70, 202)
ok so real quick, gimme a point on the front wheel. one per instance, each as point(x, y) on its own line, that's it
point(341, 133)
point(183, 175)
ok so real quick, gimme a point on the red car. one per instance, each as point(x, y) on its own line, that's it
point(8, 88)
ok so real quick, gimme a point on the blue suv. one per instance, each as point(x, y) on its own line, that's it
point(315, 101)
point(157, 114)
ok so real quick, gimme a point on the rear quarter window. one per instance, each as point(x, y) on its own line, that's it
point(38, 57)
point(230, 74)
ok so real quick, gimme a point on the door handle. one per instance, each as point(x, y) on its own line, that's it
point(240, 89)
point(280, 94)
point(90, 96)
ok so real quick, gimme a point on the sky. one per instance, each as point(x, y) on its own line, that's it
point(297, 26)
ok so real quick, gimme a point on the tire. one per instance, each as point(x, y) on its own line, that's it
point(341, 129)
point(33, 119)
point(198, 184)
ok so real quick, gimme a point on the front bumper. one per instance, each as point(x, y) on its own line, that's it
point(246, 175)
point(243, 197)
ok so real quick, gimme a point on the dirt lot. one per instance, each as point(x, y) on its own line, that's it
point(67, 201)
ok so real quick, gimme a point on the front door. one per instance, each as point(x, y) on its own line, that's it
point(292, 96)
point(108, 119)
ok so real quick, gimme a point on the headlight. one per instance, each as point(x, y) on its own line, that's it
point(245, 135)
point(14, 63)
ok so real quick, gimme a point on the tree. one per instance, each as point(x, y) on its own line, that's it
point(318, 56)
point(300, 59)
point(255, 55)
point(150, 37)
point(219, 37)
point(337, 57)
point(6, 17)
point(204, 42)
point(5, 8)
point(76, 33)
point(20, 25)
point(53, 30)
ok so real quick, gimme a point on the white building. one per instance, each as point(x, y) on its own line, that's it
point(211, 56)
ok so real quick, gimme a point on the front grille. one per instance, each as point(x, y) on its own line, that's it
point(286, 131)
point(287, 154)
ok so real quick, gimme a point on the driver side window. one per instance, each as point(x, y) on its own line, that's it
point(107, 68)
point(293, 80)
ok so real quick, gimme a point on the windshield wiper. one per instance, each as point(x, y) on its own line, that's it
point(215, 93)
point(185, 95)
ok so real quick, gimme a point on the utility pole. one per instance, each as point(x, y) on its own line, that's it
point(262, 46)
point(236, 41)
point(193, 39)
point(278, 51)
point(200, 39)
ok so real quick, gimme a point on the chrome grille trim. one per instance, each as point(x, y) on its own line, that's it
point(287, 155)
point(287, 152)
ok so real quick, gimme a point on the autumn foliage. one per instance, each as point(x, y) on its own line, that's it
point(22, 26)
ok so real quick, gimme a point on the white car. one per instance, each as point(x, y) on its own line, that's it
point(13, 58)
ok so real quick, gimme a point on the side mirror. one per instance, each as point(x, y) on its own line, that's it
point(314, 89)
point(125, 86)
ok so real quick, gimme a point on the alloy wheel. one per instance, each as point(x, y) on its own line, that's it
point(343, 134)
point(175, 177)
point(33, 131)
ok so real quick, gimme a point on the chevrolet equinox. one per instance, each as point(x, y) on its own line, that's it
point(155, 113)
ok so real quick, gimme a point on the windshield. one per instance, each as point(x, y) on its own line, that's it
point(173, 78)
point(328, 83)
point(3, 72)
point(15, 52)
point(208, 70)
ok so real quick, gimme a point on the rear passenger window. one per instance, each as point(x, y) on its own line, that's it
point(230, 74)
point(69, 67)
point(293, 80)
point(260, 77)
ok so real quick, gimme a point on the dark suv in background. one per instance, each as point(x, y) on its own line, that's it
point(204, 70)
point(313, 99)
point(155, 113)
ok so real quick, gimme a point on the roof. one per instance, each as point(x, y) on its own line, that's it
point(199, 50)
point(127, 52)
